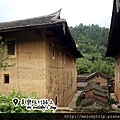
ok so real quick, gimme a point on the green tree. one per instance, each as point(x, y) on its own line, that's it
point(92, 42)
point(4, 57)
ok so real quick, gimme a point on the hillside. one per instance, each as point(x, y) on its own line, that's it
point(92, 42)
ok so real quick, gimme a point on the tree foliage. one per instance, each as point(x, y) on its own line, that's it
point(4, 58)
point(6, 105)
point(92, 42)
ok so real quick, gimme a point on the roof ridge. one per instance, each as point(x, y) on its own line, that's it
point(97, 73)
point(55, 15)
point(57, 12)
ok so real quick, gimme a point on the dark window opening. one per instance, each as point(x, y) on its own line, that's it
point(98, 76)
point(11, 47)
point(98, 83)
point(6, 78)
point(53, 51)
point(56, 99)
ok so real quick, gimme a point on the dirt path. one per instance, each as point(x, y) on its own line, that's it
point(72, 104)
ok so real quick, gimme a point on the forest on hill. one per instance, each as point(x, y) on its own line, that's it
point(92, 43)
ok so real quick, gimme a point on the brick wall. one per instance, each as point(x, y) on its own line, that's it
point(90, 94)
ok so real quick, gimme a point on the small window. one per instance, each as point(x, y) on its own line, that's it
point(98, 76)
point(64, 59)
point(53, 51)
point(98, 83)
point(56, 100)
point(11, 47)
point(60, 57)
point(6, 78)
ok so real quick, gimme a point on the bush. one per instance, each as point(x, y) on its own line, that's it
point(6, 105)
point(78, 101)
point(78, 108)
point(98, 110)
point(111, 101)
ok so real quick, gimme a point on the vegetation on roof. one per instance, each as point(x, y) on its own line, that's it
point(87, 102)
point(79, 99)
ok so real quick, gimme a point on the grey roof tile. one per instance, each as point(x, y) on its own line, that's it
point(95, 74)
point(93, 86)
point(32, 22)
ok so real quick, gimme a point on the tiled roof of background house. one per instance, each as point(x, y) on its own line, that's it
point(81, 79)
point(95, 74)
point(100, 93)
point(93, 86)
point(91, 101)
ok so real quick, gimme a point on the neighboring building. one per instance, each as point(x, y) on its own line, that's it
point(81, 82)
point(93, 90)
point(93, 102)
point(95, 96)
point(99, 79)
point(113, 48)
point(44, 53)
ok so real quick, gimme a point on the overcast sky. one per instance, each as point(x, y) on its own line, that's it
point(74, 11)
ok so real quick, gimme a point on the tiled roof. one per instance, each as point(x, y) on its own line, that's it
point(51, 20)
point(95, 74)
point(81, 79)
point(93, 86)
point(100, 93)
point(91, 101)
point(32, 22)
point(87, 102)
